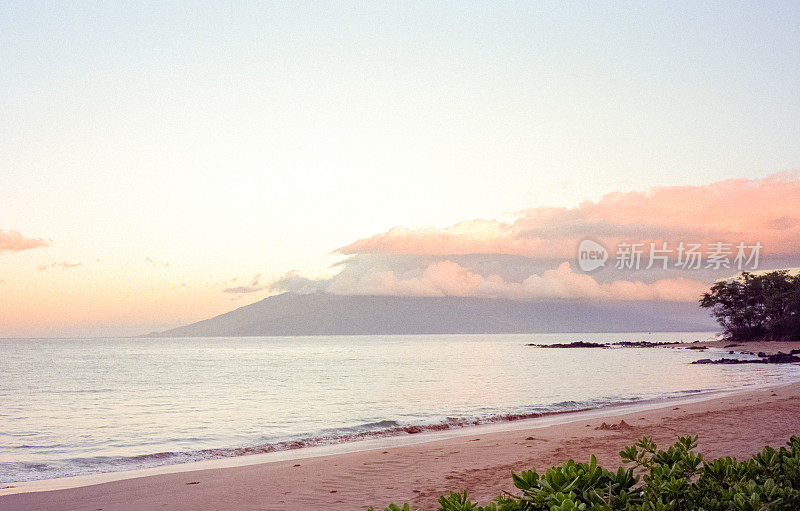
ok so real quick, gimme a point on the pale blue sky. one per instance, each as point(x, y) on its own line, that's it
point(254, 138)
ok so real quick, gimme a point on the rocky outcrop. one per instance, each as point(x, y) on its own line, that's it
point(778, 358)
point(576, 344)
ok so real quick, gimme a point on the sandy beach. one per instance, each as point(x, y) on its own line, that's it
point(739, 425)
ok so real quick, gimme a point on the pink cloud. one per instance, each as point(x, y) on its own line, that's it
point(734, 210)
point(761, 209)
point(14, 242)
point(469, 237)
point(447, 278)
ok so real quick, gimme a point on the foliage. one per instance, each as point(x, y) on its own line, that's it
point(757, 306)
point(675, 479)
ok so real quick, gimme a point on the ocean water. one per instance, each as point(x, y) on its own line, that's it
point(79, 406)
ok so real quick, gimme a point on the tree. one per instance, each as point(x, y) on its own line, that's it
point(765, 306)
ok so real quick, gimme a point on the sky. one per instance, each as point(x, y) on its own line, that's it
point(163, 162)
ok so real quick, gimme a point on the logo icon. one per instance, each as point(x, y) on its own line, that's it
point(591, 255)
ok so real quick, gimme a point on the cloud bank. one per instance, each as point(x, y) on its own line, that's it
point(734, 210)
point(530, 257)
point(447, 278)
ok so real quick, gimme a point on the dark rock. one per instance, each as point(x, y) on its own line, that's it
point(779, 358)
point(782, 358)
point(762, 354)
point(794, 352)
point(643, 344)
point(726, 361)
point(576, 344)
point(701, 348)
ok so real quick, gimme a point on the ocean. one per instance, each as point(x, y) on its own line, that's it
point(81, 406)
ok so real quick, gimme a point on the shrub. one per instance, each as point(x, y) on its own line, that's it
point(764, 306)
point(675, 479)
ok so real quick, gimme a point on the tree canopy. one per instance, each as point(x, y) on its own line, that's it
point(757, 306)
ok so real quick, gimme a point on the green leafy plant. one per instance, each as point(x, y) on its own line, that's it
point(675, 479)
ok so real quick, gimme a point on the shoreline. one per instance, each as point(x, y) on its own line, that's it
point(425, 434)
point(389, 420)
point(393, 435)
point(560, 430)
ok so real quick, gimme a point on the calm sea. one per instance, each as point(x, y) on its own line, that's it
point(78, 406)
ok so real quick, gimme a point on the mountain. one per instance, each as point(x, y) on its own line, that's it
point(328, 314)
